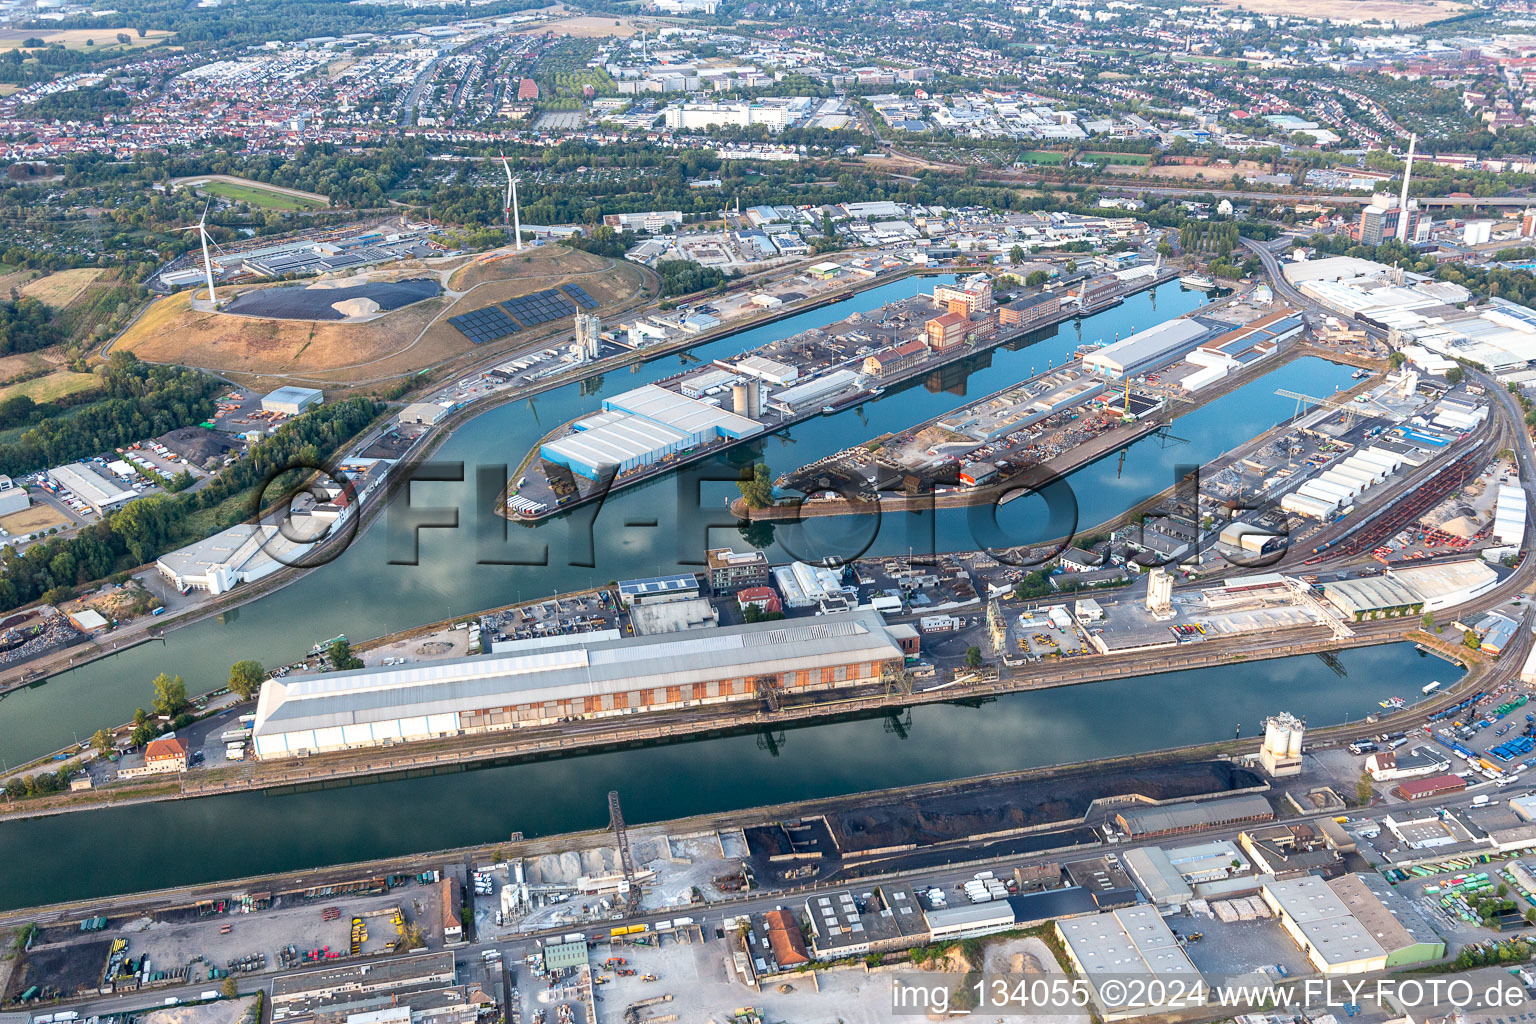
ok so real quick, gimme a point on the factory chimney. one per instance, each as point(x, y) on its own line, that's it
point(1402, 203)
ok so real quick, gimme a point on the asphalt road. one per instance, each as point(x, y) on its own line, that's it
point(469, 957)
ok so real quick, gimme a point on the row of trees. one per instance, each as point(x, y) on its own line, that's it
point(26, 325)
point(684, 277)
point(171, 702)
point(141, 401)
point(141, 530)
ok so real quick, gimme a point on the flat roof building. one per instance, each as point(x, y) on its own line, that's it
point(1318, 921)
point(421, 414)
point(1154, 346)
point(306, 992)
point(291, 401)
point(1246, 344)
point(12, 497)
point(1351, 926)
point(1130, 942)
point(542, 683)
point(640, 428)
point(970, 920)
point(101, 494)
point(886, 918)
point(734, 571)
point(677, 587)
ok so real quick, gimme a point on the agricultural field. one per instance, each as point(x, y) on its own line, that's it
point(1403, 12)
point(60, 289)
point(27, 364)
point(1192, 172)
point(13, 277)
point(588, 27)
point(260, 196)
point(1124, 159)
point(95, 39)
point(94, 304)
point(36, 519)
point(335, 354)
point(54, 386)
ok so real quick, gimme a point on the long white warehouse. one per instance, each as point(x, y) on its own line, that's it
point(1154, 346)
point(538, 685)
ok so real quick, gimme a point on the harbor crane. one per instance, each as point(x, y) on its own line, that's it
point(626, 858)
point(1350, 409)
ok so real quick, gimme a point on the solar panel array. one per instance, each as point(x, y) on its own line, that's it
point(1275, 329)
point(579, 293)
point(539, 308)
point(483, 325)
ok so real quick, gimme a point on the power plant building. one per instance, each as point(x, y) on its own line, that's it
point(538, 683)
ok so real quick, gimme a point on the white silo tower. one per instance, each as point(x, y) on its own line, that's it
point(1281, 753)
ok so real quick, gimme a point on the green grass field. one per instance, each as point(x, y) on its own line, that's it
point(1042, 156)
point(257, 196)
point(54, 385)
point(1130, 159)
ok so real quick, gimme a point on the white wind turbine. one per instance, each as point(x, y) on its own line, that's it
point(509, 209)
point(201, 227)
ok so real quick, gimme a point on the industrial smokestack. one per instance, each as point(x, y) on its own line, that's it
point(1402, 203)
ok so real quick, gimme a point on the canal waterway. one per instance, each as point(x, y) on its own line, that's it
point(128, 849)
point(659, 527)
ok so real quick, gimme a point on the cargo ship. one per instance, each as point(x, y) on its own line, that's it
point(852, 400)
point(321, 648)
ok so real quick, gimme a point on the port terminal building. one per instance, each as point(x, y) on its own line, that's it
point(535, 683)
point(642, 427)
point(1151, 347)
